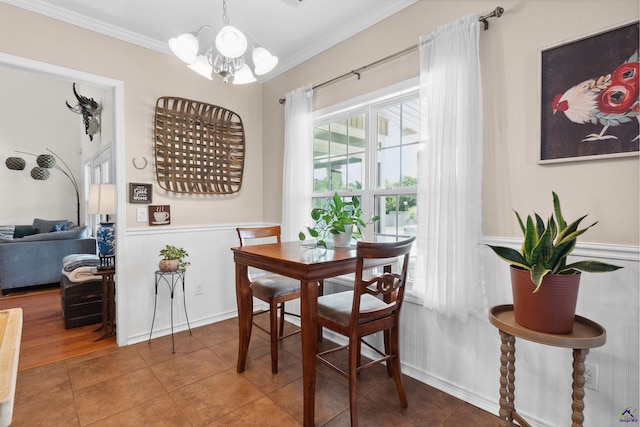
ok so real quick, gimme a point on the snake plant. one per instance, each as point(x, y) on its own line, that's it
point(546, 246)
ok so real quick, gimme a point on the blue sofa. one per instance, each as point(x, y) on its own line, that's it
point(33, 254)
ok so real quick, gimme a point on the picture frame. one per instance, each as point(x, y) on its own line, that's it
point(159, 215)
point(140, 193)
point(604, 121)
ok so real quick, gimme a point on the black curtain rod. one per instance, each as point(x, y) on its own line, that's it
point(497, 13)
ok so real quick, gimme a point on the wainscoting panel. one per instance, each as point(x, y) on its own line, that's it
point(211, 266)
point(463, 358)
point(460, 358)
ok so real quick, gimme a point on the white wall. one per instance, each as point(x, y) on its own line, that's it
point(34, 117)
point(509, 52)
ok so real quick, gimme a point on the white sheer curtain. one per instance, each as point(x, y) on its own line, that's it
point(297, 177)
point(448, 267)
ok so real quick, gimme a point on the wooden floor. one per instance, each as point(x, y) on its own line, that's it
point(44, 338)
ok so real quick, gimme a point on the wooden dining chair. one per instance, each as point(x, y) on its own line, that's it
point(273, 289)
point(373, 306)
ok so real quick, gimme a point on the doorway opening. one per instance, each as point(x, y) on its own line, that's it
point(115, 101)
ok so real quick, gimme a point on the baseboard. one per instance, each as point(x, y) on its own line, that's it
point(180, 327)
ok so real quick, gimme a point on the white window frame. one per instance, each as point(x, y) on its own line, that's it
point(369, 104)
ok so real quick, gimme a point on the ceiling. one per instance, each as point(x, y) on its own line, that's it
point(293, 30)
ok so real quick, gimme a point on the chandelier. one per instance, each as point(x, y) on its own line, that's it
point(222, 52)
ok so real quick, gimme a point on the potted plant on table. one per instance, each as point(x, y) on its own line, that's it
point(338, 219)
point(544, 285)
point(173, 258)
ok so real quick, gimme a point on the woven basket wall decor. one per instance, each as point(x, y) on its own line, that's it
point(199, 147)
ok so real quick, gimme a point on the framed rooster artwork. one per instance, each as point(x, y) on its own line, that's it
point(590, 97)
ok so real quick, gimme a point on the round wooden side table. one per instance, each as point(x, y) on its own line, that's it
point(108, 300)
point(586, 334)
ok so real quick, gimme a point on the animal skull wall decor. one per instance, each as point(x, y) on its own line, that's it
point(90, 111)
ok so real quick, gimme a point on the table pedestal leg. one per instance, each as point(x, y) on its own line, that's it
point(308, 315)
point(577, 396)
point(245, 314)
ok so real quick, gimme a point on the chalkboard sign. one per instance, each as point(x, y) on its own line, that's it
point(140, 193)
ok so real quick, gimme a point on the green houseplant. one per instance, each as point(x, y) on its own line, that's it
point(173, 258)
point(540, 274)
point(337, 218)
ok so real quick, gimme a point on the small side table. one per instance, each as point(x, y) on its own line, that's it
point(171, 278)
point(108, 300)
point(586, 334)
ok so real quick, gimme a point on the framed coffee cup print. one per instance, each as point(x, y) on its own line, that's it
point(160, 215)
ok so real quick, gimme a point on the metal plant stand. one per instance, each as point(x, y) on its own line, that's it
point(171, 278)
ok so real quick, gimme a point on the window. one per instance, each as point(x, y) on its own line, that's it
point(97, 170)
point(369, 148)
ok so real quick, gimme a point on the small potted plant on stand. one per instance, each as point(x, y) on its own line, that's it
point(338, 219)
point(173, 258)
point(545, 287)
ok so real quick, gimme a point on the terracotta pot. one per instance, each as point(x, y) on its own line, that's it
point(552, 309)
point(167, 265)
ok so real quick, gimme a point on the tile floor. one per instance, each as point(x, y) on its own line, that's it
point(145, 384)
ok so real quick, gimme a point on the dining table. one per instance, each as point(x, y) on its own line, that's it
point(309, 264)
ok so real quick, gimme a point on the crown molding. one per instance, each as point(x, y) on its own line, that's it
point(91, 24)
point(363, 22)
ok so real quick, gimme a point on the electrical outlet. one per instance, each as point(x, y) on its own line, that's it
point(141, 215)
point(591, 376)
point(199, 288)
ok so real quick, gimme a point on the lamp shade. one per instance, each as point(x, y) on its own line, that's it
point(15, 163)
point(201, 66)
point(263, 60)
point(39, 173)
point(46, 161)
point(243, 75)
point(185, 47)
point(231, 42)
point(102, 199)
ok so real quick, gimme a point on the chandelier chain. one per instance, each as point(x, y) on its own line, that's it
point(225, 17)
